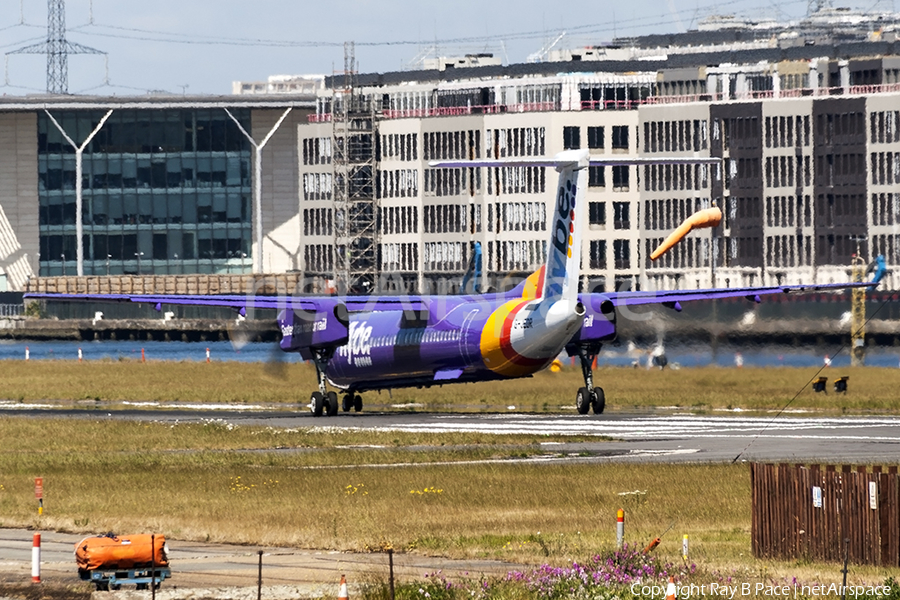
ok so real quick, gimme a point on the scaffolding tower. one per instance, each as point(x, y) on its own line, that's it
point(354, 133)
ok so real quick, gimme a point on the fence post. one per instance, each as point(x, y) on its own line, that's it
point(259, 579)
point(844, 570)
point(391, 571)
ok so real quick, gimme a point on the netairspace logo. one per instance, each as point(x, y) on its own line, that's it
point(731, 592)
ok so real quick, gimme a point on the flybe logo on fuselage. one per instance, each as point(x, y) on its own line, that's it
point(563, 231)
point(359, 345)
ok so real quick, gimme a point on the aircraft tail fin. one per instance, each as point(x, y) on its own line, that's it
point(558, 278)
point(566, 222)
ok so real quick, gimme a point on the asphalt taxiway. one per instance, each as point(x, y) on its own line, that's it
point(655, 436)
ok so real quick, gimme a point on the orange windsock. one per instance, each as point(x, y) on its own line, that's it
point(709, 217)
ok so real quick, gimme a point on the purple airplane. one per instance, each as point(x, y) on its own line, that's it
point(363, 343)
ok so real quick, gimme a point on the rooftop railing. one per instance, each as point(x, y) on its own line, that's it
point(525, 107)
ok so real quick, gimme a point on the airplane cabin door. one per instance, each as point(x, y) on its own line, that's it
point(466, 350)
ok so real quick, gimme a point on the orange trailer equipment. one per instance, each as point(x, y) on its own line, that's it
point(111, 560)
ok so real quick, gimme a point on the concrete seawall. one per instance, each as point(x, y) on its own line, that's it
point(187, 330)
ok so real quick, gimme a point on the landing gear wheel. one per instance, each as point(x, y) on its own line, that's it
point(598, 401)
point(583, 401)
point(331, 404)
point(347, 402)
point(316, 404)
point(357, 402)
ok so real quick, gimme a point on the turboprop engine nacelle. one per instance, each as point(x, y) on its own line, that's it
point(303, 329)
point(523, 336)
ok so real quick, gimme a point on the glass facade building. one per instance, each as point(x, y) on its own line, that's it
point(164, 192)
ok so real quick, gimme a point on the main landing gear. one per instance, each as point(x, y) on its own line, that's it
point(323, 402)
point(589, 396)
point(352, 401)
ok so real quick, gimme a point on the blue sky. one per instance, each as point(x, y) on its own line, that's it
point(201, 46)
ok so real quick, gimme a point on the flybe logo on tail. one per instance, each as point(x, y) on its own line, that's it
point(562, 236)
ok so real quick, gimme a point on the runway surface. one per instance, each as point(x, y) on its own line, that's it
point(658, 436)
point(661, 438)
point(204, 565)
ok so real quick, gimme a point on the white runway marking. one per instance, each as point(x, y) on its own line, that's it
point(688, 427)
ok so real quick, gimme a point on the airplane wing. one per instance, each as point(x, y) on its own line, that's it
point(241, 303)
point(674, 298)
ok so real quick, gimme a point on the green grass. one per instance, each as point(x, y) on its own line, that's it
point(188, 481)
point(312, 488)
point(871, 389)
point(321, 487)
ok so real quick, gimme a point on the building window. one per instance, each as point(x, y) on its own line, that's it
point(622, 254)
point(597, 213)
point(620, 137)
point(598, 254)
point(620, 178)
point(597, 176)
point(621, 215)
point(595, 138)
point(165, 192)
point(571, 138)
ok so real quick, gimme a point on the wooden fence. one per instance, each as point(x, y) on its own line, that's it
point(808, 512)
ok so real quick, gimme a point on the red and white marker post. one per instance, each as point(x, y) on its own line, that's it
point(39, 493)
point(620, 529)
point(36, 559)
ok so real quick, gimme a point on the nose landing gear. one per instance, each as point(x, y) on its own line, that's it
point(589, 397)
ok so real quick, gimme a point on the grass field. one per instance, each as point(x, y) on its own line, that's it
point(871, 389)
point(344, 489)
point(212, 482)
point(312, 488)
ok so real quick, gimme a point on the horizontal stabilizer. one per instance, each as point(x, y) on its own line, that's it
point(566, 158)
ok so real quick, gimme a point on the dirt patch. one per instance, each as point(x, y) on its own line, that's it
point(45, 591)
